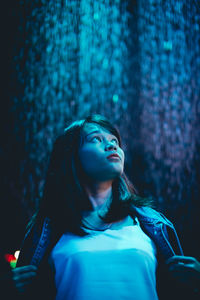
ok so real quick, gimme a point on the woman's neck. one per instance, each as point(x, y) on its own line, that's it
point(99, 193)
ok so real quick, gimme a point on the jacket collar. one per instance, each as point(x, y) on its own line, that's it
point(149, 215)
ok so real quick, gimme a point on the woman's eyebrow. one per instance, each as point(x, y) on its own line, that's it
point(96, 131)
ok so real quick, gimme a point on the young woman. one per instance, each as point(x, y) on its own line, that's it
point(93, 237)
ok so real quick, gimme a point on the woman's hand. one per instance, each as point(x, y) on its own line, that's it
point(22, 277)
point(185, 269)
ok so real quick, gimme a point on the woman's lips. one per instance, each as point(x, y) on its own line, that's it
point(113, 156)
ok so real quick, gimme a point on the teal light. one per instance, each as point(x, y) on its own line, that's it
point(167, 45)
point(115, 98)
point(96, 16)
point(105, 63)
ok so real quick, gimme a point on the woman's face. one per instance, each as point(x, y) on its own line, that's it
point(100, 155)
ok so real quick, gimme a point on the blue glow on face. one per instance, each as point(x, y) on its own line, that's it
point(98, 144)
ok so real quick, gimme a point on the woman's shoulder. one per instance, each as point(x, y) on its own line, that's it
point(149, 214)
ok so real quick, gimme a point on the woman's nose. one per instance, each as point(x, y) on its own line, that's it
point(111, 146)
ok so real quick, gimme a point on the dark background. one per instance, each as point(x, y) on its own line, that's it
point(135, 62)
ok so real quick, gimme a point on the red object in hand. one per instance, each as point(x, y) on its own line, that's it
point(10, 257)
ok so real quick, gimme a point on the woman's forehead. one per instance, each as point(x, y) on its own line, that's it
point(90, 127)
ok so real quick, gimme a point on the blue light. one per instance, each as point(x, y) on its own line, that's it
point(105, 63)
point(96, 16)
point(115, 98)
point(167, 45)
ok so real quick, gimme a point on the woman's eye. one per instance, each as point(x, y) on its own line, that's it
point(115, 141)
point(98, 138)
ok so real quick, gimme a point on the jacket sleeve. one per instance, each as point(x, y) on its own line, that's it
point(34, 251)
point(35, 244)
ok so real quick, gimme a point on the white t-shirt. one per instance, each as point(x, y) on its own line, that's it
point(112, 264)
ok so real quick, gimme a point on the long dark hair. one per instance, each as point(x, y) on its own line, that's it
point(64, 197)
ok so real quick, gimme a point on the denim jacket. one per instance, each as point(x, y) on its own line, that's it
point(38, 243)
point(37, 240)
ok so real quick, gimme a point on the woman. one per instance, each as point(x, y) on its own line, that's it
point(93, 237)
